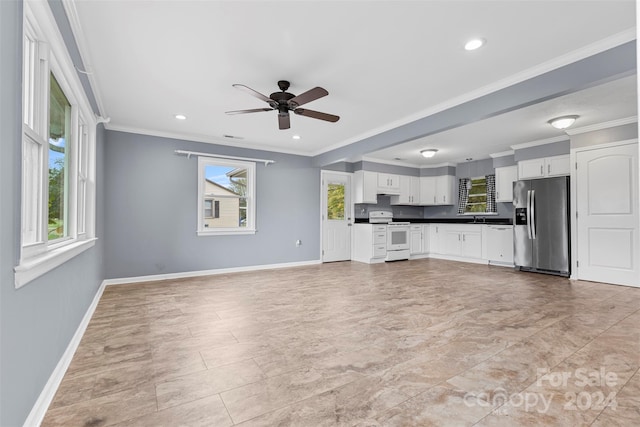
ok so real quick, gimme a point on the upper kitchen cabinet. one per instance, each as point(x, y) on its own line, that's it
point(388, 183)
point(505, 177)
point(409, 191)
point(544, 167)
point(437, 190)
point(365, 187)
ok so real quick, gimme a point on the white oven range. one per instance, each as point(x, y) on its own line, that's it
point(397, 241)
point(397, 235)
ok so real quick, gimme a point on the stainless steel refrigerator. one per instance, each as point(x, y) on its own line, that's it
point(541, 225)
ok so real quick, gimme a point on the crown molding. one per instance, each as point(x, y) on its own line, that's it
point(502, 154)
point(603, 125)
point(540, 142)
point(204, 139)
point(84, 52)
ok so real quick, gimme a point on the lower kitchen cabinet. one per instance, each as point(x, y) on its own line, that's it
point(369, 243)
point(463, 240)
point(415, 240)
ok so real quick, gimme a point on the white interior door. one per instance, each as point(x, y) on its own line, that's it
point(336, 216)
point(608, 220)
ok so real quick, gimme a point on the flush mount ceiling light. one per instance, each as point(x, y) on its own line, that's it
point(296, 137)
point(180, 117)
point(429, 153)
point(562, 122)
point(474, 44)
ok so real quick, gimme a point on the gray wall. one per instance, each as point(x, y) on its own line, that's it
point(39, 319)
point(546, 150)
point(151, 200)
point(618, 133)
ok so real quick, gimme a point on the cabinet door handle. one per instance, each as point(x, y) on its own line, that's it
point(464, 238)
point(541, 170)
point(548, 168)
point(497, 194)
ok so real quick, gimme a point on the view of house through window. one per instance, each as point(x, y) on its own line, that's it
point(59, 135)
point(477, 202)
point(225, 196)
point(477, 195)
point(335, 201)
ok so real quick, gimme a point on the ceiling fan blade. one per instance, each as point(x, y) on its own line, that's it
point(308, 96)
point(254, 110)
point(253, 92)
point(316, 115)
point(284, 121)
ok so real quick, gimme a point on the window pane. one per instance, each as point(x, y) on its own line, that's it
point(477, 200)
point(335, 201)
point(59, 133)
point(226, 202)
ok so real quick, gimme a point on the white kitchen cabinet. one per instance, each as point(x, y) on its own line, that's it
point(415, 240)
point(388, 183)
point(505, 177)
point(369, 243)
point(437, 190)
point(461, 240)
point(365, 186)
point(409, 191)
point(499, 244)
point(426, 238)
point(544, 167)
point(436, 237)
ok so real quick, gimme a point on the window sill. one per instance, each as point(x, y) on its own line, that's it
point(225, 233)
point(34, 267)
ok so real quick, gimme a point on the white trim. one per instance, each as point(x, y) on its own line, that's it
point(502, 154)
point(47, 394)
point(205, 139)
point(187, 274)
point(553, 64)
point(460, 259)
point(603, 125)
point(540, 142)
point(34, 267)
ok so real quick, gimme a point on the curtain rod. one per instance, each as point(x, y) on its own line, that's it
point(220, 156)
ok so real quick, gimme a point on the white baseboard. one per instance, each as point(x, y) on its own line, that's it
point(157, 277)
point(460, 259)
point(51, 387)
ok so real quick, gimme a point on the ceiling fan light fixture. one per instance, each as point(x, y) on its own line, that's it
point(474, 44)
point(429, 153)
point(563, 122)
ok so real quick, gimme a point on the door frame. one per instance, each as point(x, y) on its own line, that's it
point(573, 186)
point(348, 209)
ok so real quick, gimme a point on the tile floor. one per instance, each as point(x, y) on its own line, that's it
point(418, 343)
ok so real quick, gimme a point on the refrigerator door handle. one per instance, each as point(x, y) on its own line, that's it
point(533, 214)
point(529, 214)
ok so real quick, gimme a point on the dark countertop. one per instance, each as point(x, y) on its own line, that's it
point(462, 220)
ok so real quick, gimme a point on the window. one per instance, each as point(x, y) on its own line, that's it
point(477, 195)
point(58, 151)
point(226, 196)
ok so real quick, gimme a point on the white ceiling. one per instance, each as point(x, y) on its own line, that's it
point(384, 63)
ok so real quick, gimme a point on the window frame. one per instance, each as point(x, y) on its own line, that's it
point(250, 167)
point(44, 55)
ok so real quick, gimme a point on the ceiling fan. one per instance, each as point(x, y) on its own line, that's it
point(283, 102)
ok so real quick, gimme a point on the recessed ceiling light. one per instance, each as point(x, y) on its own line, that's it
point(474, 44)
point(180, 117)
point(296, 136)
point(429, 153)
point(563, 122)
